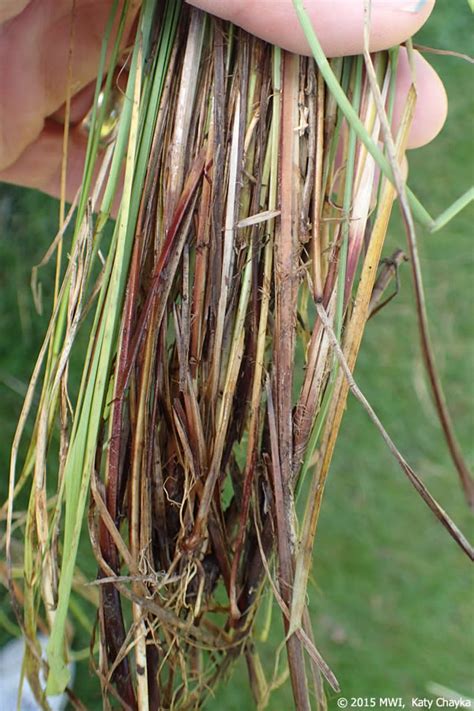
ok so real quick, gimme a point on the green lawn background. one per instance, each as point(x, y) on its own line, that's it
point(391, 596)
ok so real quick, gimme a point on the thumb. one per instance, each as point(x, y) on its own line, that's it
point(339, 24)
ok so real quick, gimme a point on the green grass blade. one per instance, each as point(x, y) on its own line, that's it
point(419, 211)
point(94, 388)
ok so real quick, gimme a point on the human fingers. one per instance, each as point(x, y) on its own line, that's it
point(340, 28)
point(339, 24)
point(35, 46)
point(11, 8)
point(39, 165)
point(431, 104)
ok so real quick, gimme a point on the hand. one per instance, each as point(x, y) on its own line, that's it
point(34, 42)
point(339, 25)
point(34, 51)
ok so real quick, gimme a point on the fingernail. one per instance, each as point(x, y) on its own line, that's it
point(414, 6)
point(402, 5)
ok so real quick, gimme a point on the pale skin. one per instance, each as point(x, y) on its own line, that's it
point(34, 49)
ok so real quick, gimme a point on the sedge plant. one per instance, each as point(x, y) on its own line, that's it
point(253, 202)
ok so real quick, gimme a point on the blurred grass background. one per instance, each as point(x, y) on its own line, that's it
point(391, 595)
